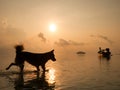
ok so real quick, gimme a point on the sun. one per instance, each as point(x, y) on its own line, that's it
point(52, 27)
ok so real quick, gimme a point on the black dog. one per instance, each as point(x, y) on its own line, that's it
point(36, 59)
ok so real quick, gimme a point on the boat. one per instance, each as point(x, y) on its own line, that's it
point(81, 52)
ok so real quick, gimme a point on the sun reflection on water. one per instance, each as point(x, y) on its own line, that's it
point(51, 76)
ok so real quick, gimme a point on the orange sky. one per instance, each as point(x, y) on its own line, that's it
point(81, 24)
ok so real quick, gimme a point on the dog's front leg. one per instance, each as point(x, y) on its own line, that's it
point(11, 65)
point(43, 67)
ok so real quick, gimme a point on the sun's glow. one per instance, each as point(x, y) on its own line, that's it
point(52, 27)
point(51, 76)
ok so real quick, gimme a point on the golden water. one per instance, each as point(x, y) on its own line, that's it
point(76, 72)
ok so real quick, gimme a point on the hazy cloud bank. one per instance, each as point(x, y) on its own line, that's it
point(63, 42)
point(9, 36)
point(102, 37)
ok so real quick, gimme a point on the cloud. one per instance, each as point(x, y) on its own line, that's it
point(63, 42)
point(75, 43)
point(106, 38)
point(103, 37)
point(41, 36)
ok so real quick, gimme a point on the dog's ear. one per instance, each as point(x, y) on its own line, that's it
point(52, 50)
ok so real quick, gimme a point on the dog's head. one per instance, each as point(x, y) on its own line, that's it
point(52, 56)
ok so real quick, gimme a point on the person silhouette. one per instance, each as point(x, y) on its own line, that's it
point(107, 53)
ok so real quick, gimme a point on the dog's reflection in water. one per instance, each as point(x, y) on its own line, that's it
point(39, 82)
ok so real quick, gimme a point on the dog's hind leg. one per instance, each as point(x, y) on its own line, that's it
point(21, 67)
point(38, 68)
point(12, 64)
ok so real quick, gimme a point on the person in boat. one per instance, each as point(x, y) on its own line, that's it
point(101, 51)
point(105, 52)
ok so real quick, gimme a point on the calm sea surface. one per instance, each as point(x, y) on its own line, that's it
point(73, 72)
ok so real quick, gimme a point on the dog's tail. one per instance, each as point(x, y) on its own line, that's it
point(19, 48)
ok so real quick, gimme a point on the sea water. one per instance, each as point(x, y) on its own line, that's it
point(73, 72)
